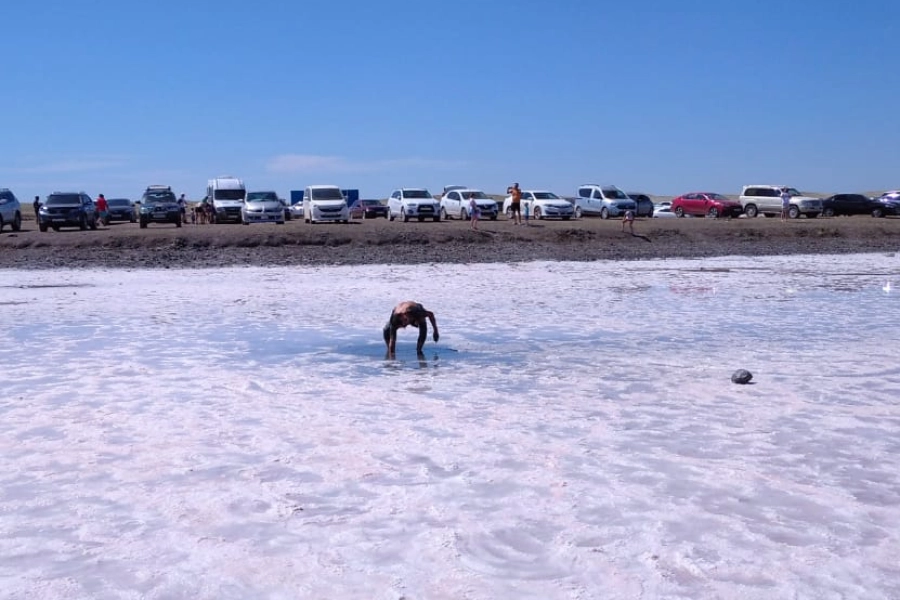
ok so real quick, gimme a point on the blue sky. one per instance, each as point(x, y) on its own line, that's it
point(657, 96)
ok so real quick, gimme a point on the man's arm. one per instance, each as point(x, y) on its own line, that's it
point(431, 318)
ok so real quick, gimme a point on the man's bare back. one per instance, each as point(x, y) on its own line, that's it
point(409, 313)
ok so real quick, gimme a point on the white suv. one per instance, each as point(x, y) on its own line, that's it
point(766, 199)
point(413, 203)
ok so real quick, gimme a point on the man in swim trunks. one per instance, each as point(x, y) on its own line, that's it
point(409, 313)
point(515, 203)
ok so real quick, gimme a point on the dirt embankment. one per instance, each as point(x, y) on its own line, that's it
point(125, 245)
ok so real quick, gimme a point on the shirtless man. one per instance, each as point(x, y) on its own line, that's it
point(409, 313)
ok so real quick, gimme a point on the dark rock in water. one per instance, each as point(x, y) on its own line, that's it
point(741, 376)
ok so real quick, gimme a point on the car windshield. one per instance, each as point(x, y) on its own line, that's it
point(327, 194)
point(545, 196)
point(476, 195)
point(370, 202)
point(159, 197)
point(229, 194)
point(63, 199)
point(416, 194)
point(262, 196)
point(119, 202)
point(615, 194)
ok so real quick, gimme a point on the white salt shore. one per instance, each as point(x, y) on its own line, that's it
point(238, 433)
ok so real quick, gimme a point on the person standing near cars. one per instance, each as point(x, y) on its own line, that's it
point(474, 212)
point(37, 208)
point(785, 203)
point(102, 209)
point(515, 203)
point(182, 207)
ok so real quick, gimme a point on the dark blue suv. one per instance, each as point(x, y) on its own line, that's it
point(67, 209)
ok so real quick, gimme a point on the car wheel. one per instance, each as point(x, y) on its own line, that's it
point(877, 213)
point(1, 224)
point(178, 223)
point(390, 216)
point(55, 227)
point(604, 213)
point(42, 227)
point(713, 213)
point(577, 212)
point(143, 224)
point(828, 212)
point(751, 211)
point(794, 212)
point(679, 212)
point(17, 222)
point(444, 214)
point(82, 223)
point(405, 217)
point(537, 213)
point(462, 214)
point(509, 213)
point(93, 224)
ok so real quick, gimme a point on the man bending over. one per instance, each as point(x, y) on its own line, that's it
point(409, 313)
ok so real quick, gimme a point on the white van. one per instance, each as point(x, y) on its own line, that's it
point(227, 195)
point(324, 203)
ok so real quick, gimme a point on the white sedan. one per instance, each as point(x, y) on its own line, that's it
point(413, 203)
point(538, 204)
point(663, 210)
point(455, 203)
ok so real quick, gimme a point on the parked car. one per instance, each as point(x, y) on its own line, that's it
point(121, 209)
point(450, 188)
point(366, 208)
point(324, 203)
point(663, 210)
point(604, 201)
point(456, 203)
point(706, 204)
point(890, 203)
point(159, 205)
point(67, 209)
point(10, 210)
point(766, 199)
point(644, 204)
point(262, 207)
point(851, 204)
point(413, 203)
point(540, 204)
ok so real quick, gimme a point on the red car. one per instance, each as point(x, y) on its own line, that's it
point(706, 204)
point(368, 209)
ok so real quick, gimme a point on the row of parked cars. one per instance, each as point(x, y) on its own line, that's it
point(159, 205)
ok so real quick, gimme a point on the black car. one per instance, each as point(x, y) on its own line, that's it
point(851, 204)
point(121, 209)
point(67, 209)
point(644, 204)
point(889, 204)
point(159, 205)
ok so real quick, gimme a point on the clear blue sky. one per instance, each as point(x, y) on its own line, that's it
point(657, 96)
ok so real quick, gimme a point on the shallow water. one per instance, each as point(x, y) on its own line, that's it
point(575, 434)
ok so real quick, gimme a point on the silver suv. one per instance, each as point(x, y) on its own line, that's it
point(10, 210)
point(766, 199)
